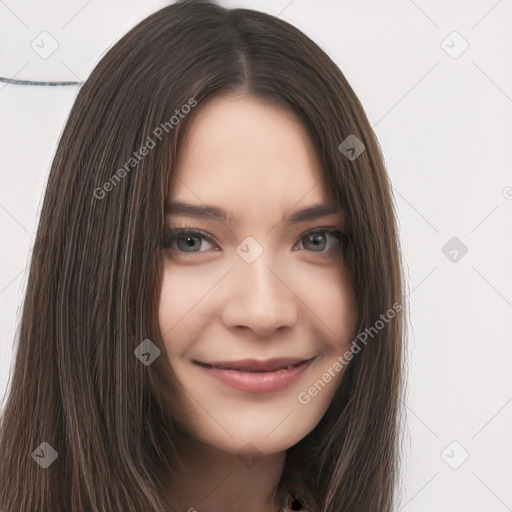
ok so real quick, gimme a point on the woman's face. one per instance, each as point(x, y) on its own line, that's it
point(255, 285)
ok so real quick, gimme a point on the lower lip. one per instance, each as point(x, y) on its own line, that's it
point(258, 382)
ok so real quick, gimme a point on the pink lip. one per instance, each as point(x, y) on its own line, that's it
point(258, 381)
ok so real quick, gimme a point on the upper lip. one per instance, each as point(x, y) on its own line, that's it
point(268, 365)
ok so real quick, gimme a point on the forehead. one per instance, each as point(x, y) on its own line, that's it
point(238, 148)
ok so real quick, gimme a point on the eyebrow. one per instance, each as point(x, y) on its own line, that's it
point(216, 213)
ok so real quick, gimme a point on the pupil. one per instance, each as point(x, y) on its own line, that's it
point(189, 241)
point(317, 239)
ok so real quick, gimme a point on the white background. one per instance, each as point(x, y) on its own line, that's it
point(445, 126)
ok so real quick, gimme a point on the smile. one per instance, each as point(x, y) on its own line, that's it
point(257, 376)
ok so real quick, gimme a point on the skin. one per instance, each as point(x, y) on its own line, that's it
point(254, 159)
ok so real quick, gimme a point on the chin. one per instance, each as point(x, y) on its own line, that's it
point(261, 436)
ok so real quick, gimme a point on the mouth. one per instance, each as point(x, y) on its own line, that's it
point(253, 376)
point(256, 366)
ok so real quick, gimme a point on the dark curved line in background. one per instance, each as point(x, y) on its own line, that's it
point(30, 82)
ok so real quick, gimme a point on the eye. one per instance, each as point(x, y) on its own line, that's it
point(187, 240)
point(320, 238)
point(192, 240)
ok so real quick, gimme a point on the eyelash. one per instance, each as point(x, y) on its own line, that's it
point(173, 234)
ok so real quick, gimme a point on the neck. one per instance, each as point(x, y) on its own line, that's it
point(214, 480)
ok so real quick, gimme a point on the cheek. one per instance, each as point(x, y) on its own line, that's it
point(186, 294)
point(183, 306)
point(330, 297)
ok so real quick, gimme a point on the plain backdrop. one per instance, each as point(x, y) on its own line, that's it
point(435, 80)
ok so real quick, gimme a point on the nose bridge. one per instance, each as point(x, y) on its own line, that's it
point(258, 297)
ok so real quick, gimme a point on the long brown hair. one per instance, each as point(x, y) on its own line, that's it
point(95, 274)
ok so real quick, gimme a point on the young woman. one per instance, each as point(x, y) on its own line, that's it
point(214, 317)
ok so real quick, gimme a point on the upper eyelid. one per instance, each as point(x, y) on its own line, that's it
point(186, 229)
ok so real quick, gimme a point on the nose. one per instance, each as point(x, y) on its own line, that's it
point(259, 298)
